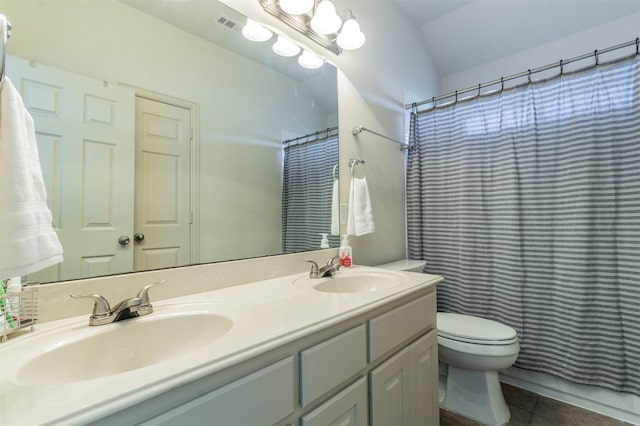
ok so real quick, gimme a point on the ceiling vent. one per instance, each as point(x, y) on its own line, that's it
point(228, 23)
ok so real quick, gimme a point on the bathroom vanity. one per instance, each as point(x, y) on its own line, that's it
point(360, 347)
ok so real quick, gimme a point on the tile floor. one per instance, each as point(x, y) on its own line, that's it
point(530, 409)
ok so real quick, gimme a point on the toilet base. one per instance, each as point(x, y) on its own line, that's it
point(476, 395)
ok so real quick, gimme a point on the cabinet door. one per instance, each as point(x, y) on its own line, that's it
point(424, 380)
point(261, 398)
point(391, 391)
point(348, 408)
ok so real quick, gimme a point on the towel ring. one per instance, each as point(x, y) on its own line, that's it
point(353, 163)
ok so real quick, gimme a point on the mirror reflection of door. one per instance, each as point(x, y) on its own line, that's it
point(85, 134)
point(163, 216)
point(92, 153)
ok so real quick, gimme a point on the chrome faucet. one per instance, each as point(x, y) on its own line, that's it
point(128, 308)
point(328, 270)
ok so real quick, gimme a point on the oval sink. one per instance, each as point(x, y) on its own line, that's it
point(355, 281)
point(94, 352)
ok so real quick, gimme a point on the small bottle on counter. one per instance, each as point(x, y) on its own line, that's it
point(345, 252)
point(14, 285)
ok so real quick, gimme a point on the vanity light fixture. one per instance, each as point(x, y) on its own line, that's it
point(321, 23)
point(350, 38)
point(296, 7)
point(325, 20)
point(256, 32)
point(285, 47)
point(310, 60)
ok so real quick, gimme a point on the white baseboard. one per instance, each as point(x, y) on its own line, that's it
point(622, 406)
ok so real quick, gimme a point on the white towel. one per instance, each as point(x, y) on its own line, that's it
point(28, 242)
point(335, 208)
point(360, 220)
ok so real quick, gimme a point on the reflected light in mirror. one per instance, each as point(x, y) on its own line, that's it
point(256, 32)
point(309, 60)
point(284, 47)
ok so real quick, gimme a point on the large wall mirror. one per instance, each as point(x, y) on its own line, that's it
point(167, 139)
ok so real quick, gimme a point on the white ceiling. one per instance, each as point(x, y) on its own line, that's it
point(462, 34)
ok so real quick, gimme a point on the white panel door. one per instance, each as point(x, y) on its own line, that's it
point(85, 133)
point(391, 391)
point(163, 182)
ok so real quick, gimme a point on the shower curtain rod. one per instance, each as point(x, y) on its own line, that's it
point(359, 129)
point(527, 73)
point(316, 134)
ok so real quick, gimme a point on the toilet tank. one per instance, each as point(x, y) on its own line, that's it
point(407, 265)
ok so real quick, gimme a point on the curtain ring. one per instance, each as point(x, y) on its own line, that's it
point(529, 76)
point(561, 67)
point(595, 54)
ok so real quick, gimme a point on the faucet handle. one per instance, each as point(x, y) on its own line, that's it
point(332, 261)
point(314, 269)
point(143, 294)
point(101, 306)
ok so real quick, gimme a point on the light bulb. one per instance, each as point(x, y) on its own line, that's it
point(284, 47)
point(310, 60)
point(326, 20)
point(296, 7)
point(350, 37)
point(255, 32)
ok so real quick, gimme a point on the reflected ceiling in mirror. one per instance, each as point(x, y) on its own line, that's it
point(211, 108)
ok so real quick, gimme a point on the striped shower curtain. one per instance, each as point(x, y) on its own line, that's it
point(307, 183)
point(528, 203)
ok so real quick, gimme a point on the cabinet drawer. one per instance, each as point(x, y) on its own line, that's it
point(326, 365)
point(349, 407)
point(390, 329)
point(242, 402)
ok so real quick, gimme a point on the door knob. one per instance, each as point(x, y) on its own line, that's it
point(138, 237)
point(123, 240)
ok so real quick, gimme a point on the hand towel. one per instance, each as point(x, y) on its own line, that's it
point(335, 208)
point(28, 242)
point(360, 219)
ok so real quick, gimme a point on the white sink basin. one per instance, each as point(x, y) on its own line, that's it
point(76, 353)
point(353, 281)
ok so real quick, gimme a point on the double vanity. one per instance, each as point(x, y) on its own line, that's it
point(359, 346)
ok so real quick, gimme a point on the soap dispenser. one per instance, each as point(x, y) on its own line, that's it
point(345, 252)
point(324, 242)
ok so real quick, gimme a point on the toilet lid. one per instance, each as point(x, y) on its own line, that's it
point(467, 328)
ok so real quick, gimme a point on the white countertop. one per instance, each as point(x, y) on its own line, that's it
point(266, 314)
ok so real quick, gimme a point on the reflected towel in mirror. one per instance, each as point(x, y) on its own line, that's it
point(28, 242)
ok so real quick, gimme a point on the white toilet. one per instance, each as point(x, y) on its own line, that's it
point(471, 350)
point(407, 265)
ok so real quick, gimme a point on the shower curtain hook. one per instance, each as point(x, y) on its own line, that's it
point(502, 84)
point(529, 76)
point(637, 45)
point(561, 67)
point(595, 54)
point(433, 101)
point(479, 85)
point(456, 97)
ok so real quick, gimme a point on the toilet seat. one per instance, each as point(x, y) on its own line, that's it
point(474, 330)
